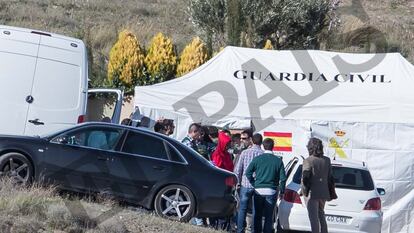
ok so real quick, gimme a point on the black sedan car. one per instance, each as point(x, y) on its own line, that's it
point(133, 164)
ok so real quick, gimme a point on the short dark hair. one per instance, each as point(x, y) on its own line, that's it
point(268, 144)
point(205, 134)
point(235, 136)
point(257, 139)
point(315, 147)
point(248, 132)
point(158, 127)
point(226, 131)
point(168, 122)
point(193, 127)
point(144, 122)
point(213, 131)
point(126, 121)
point(106, 119)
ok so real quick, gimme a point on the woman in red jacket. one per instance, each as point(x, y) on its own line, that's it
point(220, 157)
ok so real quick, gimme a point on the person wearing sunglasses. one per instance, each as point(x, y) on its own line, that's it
point(246, 190)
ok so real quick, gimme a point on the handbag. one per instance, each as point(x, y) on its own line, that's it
point(332, 192)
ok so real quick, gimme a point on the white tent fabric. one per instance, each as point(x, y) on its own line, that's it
point(307, 93)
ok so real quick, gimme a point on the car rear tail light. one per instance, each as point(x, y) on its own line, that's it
point(81, 119)
point(292, 197)
point(373, 204)
point(231, 181)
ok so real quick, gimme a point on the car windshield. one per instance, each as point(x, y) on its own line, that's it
point(345, 177)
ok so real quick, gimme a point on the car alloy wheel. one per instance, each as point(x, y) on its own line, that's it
point(16, 167)
point(175, 202)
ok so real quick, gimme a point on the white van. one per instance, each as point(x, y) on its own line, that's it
point(43, 81)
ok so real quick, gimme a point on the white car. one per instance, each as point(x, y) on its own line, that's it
point(357, 209)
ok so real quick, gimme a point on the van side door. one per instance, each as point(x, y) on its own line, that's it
point(18, 52)
point(59, 86)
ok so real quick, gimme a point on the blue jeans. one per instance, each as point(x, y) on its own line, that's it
point(264, 206)
point(222, 224)
point(246, 194)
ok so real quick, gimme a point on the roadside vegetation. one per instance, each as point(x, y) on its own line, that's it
point(98, 22)
point(36, 209)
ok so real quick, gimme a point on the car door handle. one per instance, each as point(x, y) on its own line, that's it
point(36, 122)
point(160, 168)
point(103, 158)
point(332, 204)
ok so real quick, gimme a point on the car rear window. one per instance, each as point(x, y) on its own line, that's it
point(174, 156)
point(352, 178)
point(345, 177)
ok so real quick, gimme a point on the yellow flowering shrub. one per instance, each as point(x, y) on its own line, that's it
point(194, 55)
point(161, 60)
point(268, 45)
point(126, 61)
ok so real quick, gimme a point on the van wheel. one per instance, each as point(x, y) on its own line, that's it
point(16, 167)
point(175, 202)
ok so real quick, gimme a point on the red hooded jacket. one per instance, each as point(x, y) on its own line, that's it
point(220, 157)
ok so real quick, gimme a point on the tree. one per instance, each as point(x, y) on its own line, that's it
point(126, 62)
point(268, 45)
point(217, 52)
point(287, 23)
point(193, 56)
point(291, 24)
point(209, 17)
point(257, 14)
point(161, 60)
point(301, 23)
point(234, 22)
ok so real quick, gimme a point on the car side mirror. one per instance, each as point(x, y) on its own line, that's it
point(381, 191)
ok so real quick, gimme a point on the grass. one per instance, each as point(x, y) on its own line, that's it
point(41, 209)
point(393, 18)
point(98, 22)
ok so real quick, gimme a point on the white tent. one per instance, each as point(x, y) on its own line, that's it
point(361, 105)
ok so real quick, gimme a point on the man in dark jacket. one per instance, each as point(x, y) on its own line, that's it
point(316, 175)
point(270, 177)
point(194, 133)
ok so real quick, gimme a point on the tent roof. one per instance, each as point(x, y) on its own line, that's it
point(246, 83)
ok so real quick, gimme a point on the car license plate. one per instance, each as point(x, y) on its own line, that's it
point(337, 219)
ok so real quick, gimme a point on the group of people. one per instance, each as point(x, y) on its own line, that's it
point(260, 172)
point(261, 175)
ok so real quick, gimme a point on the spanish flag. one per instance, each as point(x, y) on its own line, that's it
point(283, 141)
